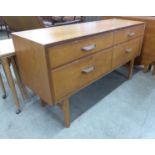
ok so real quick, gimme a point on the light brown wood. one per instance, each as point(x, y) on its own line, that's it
point(6, 66)
point(66, 111)
point(146, 68)
point(59, 55)
point(147, 56)
point(3, 87)
point(33, 67)
point(7, 56)
point(18, 79)
point(130, 69)
point(52, 64)
point(71, 77)
point(128, 33)
point(21, 23)
point(125, 52)
point(55, 35)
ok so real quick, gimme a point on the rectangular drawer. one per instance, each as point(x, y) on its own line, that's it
point(124, 52)
point(72, 77)
point(62, 54)
point(128, 33)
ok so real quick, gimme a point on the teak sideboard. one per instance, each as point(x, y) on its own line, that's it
point(57, 62)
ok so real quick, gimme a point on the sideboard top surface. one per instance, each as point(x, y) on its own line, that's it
point(54, 35)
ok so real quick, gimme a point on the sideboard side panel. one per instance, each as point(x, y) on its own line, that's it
point(31, 59)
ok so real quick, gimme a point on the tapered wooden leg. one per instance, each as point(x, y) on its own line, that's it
point(130, 69)
point(3, 88)
point(18, 79)
point(66, 110)
point(146, 67)
point(6, 66)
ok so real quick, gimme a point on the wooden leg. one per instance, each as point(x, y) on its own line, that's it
point(43, 103)
point(130, 69)
point(66, 111)
point(146, 67)
point(6, 66)
point(18, 79)
point(3, 88)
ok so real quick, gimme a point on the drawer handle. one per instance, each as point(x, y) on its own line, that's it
point(88, 70)
point(88, 48)
point(132, 34)
point(128, 50)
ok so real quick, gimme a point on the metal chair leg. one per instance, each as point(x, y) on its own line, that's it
point(7, 31)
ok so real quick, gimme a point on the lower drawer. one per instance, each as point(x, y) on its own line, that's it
point(123, 53)
point(72, 77)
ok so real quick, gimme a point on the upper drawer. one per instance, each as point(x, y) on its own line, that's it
point(128, 33)
point(61, 54)
point(71, 77)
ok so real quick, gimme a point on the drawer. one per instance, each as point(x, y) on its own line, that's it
point(72, 77)
point(68, 52)
point(128, 33)
point(125, 52)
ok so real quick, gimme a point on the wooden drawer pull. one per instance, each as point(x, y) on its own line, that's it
point(88, 48)
point(88, 70)
point(132, 34)
point(128, 50)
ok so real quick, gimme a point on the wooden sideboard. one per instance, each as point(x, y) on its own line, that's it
point(57, 62)
point(147, 56)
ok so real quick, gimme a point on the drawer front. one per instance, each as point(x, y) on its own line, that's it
point(72, 77)
point(68, 52)
point(125, 52)
point(128, 33)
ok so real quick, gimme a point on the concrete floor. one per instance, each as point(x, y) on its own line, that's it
point(112, 107)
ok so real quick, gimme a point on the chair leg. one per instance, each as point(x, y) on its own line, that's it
point(7, 31)
point(3, 87)
point(6, 67)
point(18, 79)
point(130, 69)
